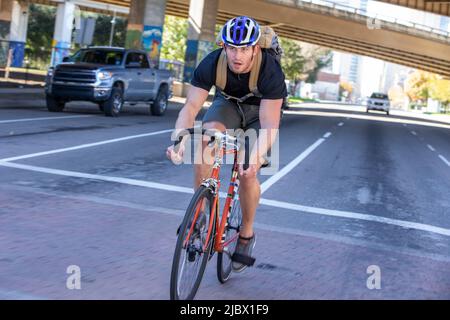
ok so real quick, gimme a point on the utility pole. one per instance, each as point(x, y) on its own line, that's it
point(113, 23)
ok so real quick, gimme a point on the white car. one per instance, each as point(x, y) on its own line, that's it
point(378, 101)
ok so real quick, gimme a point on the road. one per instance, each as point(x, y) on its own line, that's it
point(356, 192)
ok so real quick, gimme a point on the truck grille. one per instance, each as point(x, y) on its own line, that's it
point(77, 76)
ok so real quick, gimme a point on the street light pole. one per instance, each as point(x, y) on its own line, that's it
point(113, 23)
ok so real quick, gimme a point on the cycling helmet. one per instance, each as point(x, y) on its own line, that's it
point(241, 32)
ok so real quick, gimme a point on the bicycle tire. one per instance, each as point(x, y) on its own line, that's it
point(233, 224)
point(175, 294)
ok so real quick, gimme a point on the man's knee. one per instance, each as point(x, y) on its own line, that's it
point(214, 125)
point(246, 181)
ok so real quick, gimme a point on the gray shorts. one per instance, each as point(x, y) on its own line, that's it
point(231, 115)
point(236, 116)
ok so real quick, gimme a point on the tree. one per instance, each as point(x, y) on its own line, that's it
point(439, 89)
point(320, 62)
point(103, 27)
point(417, 85)
point(41, 26)
point(303, 61)
point(174, 38)
point(345, 89)
point(292, 60)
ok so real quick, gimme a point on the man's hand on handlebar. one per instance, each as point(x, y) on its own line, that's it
point(175, 151)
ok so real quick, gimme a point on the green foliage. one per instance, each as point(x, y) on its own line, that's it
point(174, 38)
point(321, 61)
point(303, 61)
point(41, 25)
point(292, 60)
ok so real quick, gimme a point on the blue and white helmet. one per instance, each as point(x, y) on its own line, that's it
point(241, 32)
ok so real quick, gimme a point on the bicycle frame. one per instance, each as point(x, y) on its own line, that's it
point(213, 183)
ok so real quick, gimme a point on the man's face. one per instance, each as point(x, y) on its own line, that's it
point(240, 60)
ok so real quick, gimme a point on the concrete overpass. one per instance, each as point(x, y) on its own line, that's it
point(441, 7)
point(320, 23)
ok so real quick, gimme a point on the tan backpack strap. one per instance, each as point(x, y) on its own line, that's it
point(221, 71)
point(254, 73)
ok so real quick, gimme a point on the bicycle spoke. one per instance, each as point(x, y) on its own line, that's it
point(195, 236)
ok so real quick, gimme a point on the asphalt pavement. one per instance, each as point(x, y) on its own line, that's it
point(355, 192)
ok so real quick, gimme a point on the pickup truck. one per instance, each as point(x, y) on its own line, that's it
point(110, 77)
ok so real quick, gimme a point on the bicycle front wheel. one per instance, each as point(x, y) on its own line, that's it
point(190, 257)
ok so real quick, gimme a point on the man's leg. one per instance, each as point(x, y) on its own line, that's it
point(203, 169)
point(221, 115)
point(249, 194)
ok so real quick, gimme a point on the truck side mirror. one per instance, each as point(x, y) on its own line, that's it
point(66, 59)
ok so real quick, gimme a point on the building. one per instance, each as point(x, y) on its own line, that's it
point(327, 86)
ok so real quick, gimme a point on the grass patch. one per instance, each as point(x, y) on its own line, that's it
point(301, 100)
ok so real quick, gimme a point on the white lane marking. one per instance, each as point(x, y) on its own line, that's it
point(445, 160)
point(88, 145)
point(261, 226)
point(354, 215)
point(133, 182)
point(43, 118)
point(268, 202)
point(431, 147)
point(340, 124)
point(267, 227)
point(414, 133)
point(326, 135)
point(291, 165)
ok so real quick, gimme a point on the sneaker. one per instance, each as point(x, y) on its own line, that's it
point(242, 255)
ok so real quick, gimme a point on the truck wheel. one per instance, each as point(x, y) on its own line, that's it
point(114, 104)
point(54, 105)
point(159, 106)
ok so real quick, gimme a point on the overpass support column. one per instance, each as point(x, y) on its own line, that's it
point(201, 34)
point(18, 32)
point(62, 38)
point(13, 31)
point(145, 27)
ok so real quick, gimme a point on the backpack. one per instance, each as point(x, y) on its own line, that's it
point(268, 42)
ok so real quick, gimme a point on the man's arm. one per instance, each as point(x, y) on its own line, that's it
point(269, 117)
point(196, 97)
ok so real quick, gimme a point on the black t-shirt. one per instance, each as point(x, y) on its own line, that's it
point(271, 83)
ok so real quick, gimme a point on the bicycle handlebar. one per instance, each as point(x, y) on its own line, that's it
point(213, 134)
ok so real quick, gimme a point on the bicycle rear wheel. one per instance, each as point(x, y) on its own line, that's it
point(231, 230)
point(189, 260)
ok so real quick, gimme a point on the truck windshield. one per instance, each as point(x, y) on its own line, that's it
point(98, 56)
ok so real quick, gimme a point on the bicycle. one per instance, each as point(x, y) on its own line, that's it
point(200, 234)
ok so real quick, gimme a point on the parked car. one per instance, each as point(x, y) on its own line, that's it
point(378, 101)
point(110, 77)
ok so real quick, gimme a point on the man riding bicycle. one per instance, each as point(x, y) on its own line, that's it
point(237, 107)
